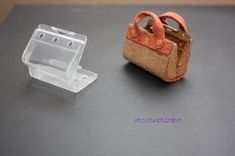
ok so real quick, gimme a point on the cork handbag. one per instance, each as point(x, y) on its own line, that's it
point(158, 48)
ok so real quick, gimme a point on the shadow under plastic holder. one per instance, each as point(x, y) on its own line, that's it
point(53, 55)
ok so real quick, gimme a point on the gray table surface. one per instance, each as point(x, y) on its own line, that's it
point(37, 119)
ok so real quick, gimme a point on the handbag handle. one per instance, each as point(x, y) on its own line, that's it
point(176, 17)
point(158, 30)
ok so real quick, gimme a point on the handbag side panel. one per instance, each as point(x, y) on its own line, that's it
point(171, 70)
point(185, 60)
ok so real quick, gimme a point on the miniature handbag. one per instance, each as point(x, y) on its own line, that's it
point(158, 48)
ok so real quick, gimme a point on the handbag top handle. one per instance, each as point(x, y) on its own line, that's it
point(176, 17)
point(158, 30)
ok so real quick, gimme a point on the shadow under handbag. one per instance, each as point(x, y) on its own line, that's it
point(158, 48)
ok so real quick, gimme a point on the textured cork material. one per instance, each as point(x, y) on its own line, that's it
point(158, 64)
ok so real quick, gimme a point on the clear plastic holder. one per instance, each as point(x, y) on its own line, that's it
point(53, 55)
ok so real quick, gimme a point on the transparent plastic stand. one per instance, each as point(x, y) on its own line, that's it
point(53, 55)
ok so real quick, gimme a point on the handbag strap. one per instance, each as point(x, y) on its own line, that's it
point(176, 17)
point(158, 30)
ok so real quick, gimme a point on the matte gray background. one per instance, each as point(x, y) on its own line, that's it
point(37, 119)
